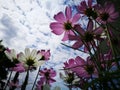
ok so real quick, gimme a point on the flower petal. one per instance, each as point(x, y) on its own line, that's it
point(75, 18)
point(57, 28)
point(27, 52)
point(60, 17)
point(90, 25)
point(68, 13)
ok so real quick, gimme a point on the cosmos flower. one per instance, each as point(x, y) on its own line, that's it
point(45, 54)
point(70, 78)
point(87, 8)
point(12, 55)
point(47, 75)
point(64, 23)
point(85, 36)
point(31, 59)
point(107, 13)
point(84, 68)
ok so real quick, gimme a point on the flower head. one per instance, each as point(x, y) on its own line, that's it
point(107, 13)
point(64, 23)
point(87, 8)
point(30, 59)
point(47, 75)
point(85, 69)
point(70, 78)
point(12, 55)
point(85, 36)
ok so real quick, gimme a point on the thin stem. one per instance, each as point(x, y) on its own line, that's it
point(72, 47)
point(26, 81)
point(113, 51)
point(8, 80)
point(15, 80)
point(35, 79)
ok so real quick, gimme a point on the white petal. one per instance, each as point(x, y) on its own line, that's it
point(8, 55)
point(27, 52)
point(33, 54)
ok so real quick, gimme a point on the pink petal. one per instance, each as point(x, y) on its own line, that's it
point(89, 3)
point(73, 37)
point(77, 45)
point(71, 61)
point(79, 61)
point(75, 18)
point(98, 30)
point(57, 28)
point(114, 15)
point(83, 4)
point(79, 29)
point(68, 13)
point(60, 17)
point(90, 25)
point(66, 35)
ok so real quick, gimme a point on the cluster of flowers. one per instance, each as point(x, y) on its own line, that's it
point(15, 64)
point(100, 40)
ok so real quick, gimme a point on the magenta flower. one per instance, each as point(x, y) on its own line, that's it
point(107, 13)
point(84, 69)
point(64, 23)
point(45, 54)
point(85, 36)
point(47, 75)
point(87, 8)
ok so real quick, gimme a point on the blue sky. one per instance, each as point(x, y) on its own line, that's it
point(25, 23)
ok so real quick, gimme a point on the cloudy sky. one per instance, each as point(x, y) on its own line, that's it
point(25, 23)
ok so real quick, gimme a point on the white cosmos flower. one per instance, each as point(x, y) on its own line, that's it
point(30, 59)
point(11, 54)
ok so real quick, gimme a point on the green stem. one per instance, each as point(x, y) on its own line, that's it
point(35, 79)
point(15, 80)
point(8, 80)
point(113, 51)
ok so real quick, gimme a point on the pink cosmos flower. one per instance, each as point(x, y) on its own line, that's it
point(107, 13)
point(45, 54)
point(85, 36)
point(64, 23)
point(84, 69)
point(47, 75)
point(87, 8)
